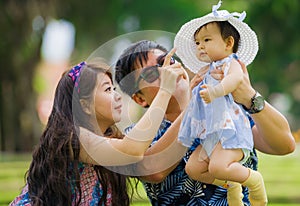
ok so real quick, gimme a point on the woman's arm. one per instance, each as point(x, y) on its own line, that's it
point(271, 133)
point(162, 157)
point(130, 149)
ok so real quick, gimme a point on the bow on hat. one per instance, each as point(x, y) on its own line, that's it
point(241, 16)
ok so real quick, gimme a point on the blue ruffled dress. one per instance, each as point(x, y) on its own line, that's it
point(222, 120)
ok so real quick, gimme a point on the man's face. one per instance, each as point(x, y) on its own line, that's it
point(149, 90)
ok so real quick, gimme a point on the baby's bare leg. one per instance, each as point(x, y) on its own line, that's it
point(197, 166)
point(224, 164)
point(223, 160)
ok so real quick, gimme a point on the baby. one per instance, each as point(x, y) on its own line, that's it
point(223, 127)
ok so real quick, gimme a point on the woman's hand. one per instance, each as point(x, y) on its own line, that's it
point(170, 74)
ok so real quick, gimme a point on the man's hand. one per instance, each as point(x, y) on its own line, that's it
point(245, 91)
point(198, 77)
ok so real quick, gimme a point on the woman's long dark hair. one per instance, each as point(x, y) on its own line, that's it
point(49, 178)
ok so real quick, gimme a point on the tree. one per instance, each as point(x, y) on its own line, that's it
point(22, 24)
point(19, 51)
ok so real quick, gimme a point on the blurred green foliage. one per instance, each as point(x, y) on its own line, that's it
point(275, 70)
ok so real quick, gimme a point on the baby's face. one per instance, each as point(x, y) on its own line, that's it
point(210, 44)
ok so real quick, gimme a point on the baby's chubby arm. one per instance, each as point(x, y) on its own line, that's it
point(227, 85)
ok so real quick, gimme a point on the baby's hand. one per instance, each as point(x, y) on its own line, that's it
point(209, 93)
point(205, 94)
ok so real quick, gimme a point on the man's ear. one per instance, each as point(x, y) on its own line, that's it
point(229, 42)
point(85, 106)
point(139, 99)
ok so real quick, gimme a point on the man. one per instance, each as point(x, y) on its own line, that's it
point(165, 180)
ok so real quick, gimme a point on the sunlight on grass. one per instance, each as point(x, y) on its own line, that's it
point(281, 175)
point(11, 179)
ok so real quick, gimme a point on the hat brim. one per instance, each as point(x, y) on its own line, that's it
point(186, 47)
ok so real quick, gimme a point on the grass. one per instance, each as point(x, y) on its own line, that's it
point(281, 175)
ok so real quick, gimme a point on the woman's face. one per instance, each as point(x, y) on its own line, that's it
point(108, 103)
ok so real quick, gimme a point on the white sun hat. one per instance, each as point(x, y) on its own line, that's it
point(186, 46)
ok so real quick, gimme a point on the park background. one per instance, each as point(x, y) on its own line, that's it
point(41, 39)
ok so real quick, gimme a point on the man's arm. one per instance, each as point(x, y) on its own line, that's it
point(271, 133)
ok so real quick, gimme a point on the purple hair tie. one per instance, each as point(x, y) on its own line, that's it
point(74, 73)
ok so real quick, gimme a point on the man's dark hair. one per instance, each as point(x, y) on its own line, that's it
point(137, 53)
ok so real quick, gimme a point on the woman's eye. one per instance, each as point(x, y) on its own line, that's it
point(108, 89)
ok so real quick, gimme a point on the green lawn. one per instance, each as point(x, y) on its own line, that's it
point(281, 175)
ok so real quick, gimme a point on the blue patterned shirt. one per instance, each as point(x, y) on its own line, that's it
point(178, 189)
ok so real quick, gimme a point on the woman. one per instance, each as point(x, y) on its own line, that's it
point(68, 163)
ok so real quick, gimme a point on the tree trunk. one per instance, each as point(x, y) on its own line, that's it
point(20, 51)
